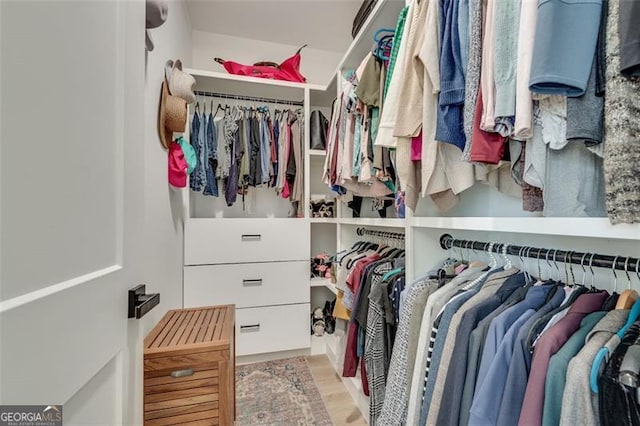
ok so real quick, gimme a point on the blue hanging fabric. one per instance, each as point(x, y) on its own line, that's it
point(605, 351)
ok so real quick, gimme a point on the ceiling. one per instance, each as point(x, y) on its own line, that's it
point(322, 24)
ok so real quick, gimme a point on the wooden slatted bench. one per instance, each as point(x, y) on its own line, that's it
point(189, 368)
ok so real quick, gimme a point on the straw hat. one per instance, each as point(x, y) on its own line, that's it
point(172, 115)
point(181, 84)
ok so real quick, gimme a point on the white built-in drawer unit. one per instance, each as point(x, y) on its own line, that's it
point(216, 241)
point(272, 329)
point(247, 285)
point(259, 265)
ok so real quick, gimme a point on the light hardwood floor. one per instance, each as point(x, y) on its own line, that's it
point(342, 409)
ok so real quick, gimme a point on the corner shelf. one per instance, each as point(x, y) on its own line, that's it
point(323, 220)
point(364, 221)
point(324, 282)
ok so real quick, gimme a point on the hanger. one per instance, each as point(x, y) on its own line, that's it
point(377, 37)
point(508, 264)
point(566, 272)
point(605, 351)
point(593, 274)
point(629, 296)
point(361, 253)
point(584, 270)
point(527, 275)
point(546, 259)
point(463, 246)
point(475, 263)
point(538, 262)
point(555, 264)
point(382, 49)
point(493, 267)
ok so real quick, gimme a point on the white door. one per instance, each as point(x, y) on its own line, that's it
point(72, 111)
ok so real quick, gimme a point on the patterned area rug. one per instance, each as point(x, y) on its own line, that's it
point(280, 392)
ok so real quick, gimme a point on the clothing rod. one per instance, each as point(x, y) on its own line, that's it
point(383, 234)
point(622, 263)
point(249, 98)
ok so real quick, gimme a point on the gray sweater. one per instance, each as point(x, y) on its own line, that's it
point(579, 405)
point(472, 82)
point(622, 127)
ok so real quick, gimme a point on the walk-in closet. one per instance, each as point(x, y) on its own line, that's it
point(336, 212)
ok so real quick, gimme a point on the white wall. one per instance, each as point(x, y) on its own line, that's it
point(163, 229)
point(317, 65)
point(163, 214)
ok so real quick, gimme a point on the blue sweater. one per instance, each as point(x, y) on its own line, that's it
point(450, 122)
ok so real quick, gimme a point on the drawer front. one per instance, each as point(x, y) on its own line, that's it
point(247, 285)
point(272, 329)
point(159, 417)
point(214, 241)
point(159, 365)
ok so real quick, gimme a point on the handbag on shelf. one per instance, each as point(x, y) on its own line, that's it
point(289, 70)
point(318, 128)
point(362, 15)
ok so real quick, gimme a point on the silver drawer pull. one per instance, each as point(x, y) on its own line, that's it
point(248, 283)
point(182, 373)
point(252, 327)
point(251, 237)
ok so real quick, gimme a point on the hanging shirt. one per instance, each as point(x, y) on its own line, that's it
point(451, 98)
point(493, 283)
point(563, 53)
point(520, 364)
point(454, 383)
point(499, 326)
point(616, 399)
point(434, 305)
point(476, 347)
point(579, 404)
point(548, 345)
point(197, 181)
point(255, 161)
point(557, 371)
point(211, 160)
point(265, 150)
point(394, 411)
point(375, 338)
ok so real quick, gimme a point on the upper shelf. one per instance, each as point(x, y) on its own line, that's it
point(563, 226)
point(219, 82)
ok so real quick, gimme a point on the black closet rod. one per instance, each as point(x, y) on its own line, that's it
point(622, 263)
point(383, 234)
point(248, 98)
